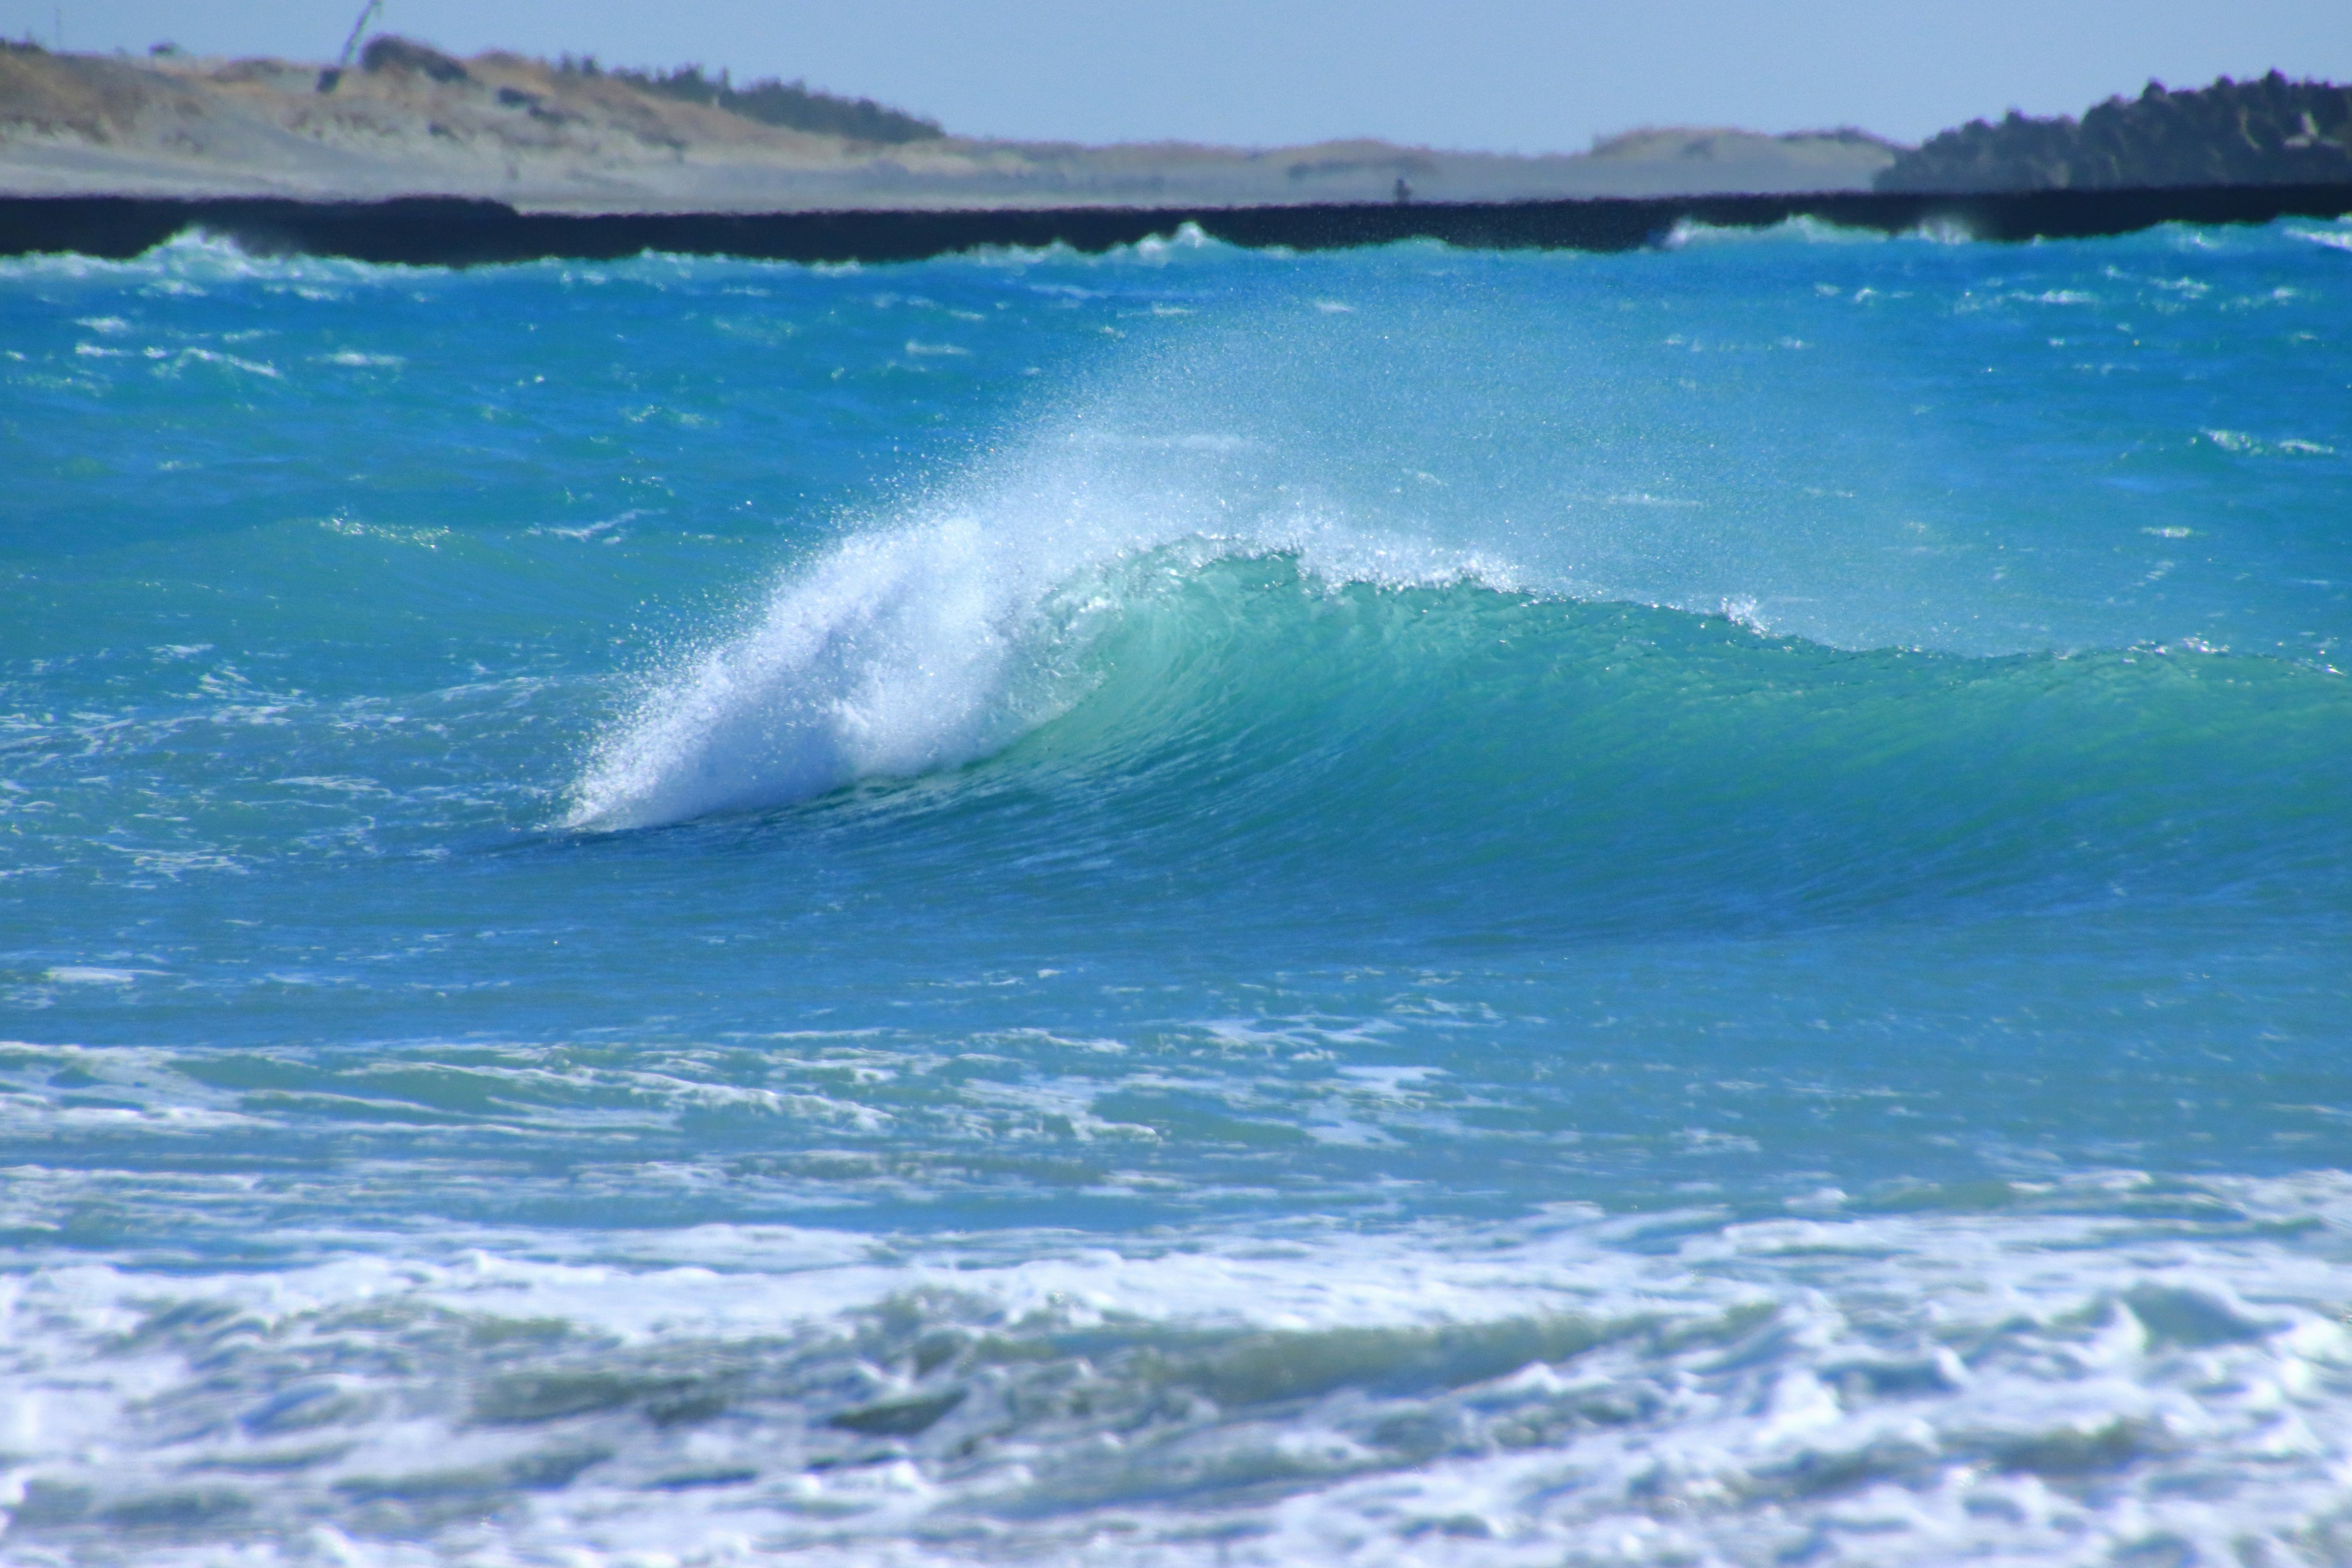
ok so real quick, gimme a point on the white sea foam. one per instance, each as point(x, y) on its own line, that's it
point(1805, 229)
point(188, 261)
point(2244, 445)
point(1885, 1389)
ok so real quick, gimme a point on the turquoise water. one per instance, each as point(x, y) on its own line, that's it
point(1190, 907)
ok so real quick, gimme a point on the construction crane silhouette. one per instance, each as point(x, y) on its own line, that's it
point(335, 73)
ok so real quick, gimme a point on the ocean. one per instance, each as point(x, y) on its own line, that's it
point(1194, 906)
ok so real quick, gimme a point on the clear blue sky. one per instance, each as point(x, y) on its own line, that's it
point(1509, 74)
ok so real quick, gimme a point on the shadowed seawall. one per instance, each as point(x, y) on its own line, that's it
point(445, 231)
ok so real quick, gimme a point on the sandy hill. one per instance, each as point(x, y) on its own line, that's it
point(544, 137)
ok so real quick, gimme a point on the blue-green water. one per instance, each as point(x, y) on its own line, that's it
point(1193, 907)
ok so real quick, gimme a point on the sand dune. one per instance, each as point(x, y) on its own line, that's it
point(523, 131)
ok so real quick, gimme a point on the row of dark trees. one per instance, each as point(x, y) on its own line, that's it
point(792, 104)
point(2262, 133)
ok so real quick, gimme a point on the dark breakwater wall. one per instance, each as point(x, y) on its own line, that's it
point(449, 231)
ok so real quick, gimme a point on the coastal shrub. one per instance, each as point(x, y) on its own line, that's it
point(2267, 132)
point(386, 53)
point(791, 104)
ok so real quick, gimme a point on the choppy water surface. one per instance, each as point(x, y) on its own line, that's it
point(1194, 907)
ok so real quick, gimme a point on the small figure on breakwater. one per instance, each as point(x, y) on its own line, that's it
point(1403, 192)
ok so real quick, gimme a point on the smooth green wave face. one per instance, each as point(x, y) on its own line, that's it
point(1194, 907)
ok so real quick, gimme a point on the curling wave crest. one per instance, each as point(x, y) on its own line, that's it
point(936, 640)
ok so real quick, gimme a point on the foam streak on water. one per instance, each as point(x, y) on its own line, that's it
point(1931, 1385)
point(1192, 906)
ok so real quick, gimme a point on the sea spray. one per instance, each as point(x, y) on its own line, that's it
point(1686, 906)
point(925, 643)
point(899, 653)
